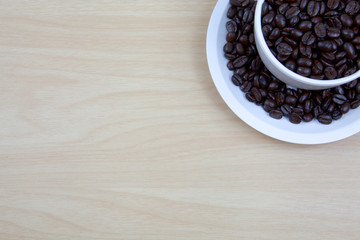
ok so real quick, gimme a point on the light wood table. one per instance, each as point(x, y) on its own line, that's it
point(111, 128)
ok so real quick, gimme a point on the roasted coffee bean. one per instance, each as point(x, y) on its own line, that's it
point(250, 97)
point(230, 66)
point(280, 21)
point(345, 108)
point(336, 115)
point(246, 86)
point(237, 80)
point(326, 63)
point(268, 18)
point(266, 29)
point(296, 34)
point(303, 4)
point(305, 50)
point(339, 42)
point(304, 97)
point(269, 105)
point(317, 67)
point(347, 34)
point(329, 56)
point(284, 49)
point(244, 40)
point(330, 72)
point(357, 88)
point(325, 46)
point(350, 71)
point(308, 106)
point(291, 42)
point(231, 37)
point(304, 62)
point(308, 117)
point(291, 12)
point(286, 109)
point(324, 119)
point(325, 104)
point(341, 62)
point(305, 26)
point(295, 118)
point(231, 26)
point(356, 40)
point(313, 8)
point(279, 98)
point(231, 12)
point(357, 20)
point(350, 50)
point(256, 93)
point(294, 21)
point(236, 3)
point(275, 34)
point(346, 20)
point(291, 64)
point(333, 32)
point(283, 8)
point(320, 30)
point(304, 71)
point(316, 20)
point(291, 100)
point(351, 94)
point(352, 7)
point(308, 38)
point(355, 104)
point(339, 99)
point(333, 4)
point(240, 61)
point(340, 55)
point(276, 114)
point(228, 48)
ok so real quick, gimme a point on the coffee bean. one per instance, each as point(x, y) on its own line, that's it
point(308, 38)
point(332, 4)
point(231, 36)
point(357, 20)
point(291, 12)
point(320, 30)
point(355, 104)
point(303, 4)
point(231, 26)
point(269, 105)
point(305, 26)
point(296, 34)
point(316, 19)
point(291, 100)
point(295, 118)
point(256, 93)
point(279, 98)
point(317, 67)
point(308, 106)
point(345, 108)
point(305, 50)
point(283, 8)
point(304, 62)
point(276, 114)
point(330, 72)
point(333, 32)
point(294, 21)
point(231, 12)
point(236, 3)
point(284, 49)
point(346, 20)
point(347, 34)
point(339, 99)
point(304, 71)
point(240, 61)
point(329, 56)
point(336, 115)
point(308, 117)
point(286, 109)
point(325, 45)
point(350, 50)
point(352, 7)
point(313, 8)
point(291, 42)
point(280, 21)
point(268, 18)
point(325, 119)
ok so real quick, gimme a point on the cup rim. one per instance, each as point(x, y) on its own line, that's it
point(281, 67)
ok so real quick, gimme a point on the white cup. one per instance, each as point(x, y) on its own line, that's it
point(283, 73)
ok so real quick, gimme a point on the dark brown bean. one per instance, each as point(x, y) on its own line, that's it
point(332, 4)
point(305, 26)
point(304, 62)
point(231, 26)
point(350, 50)
point(296, 34)
point(347, 34)
point(231, 12)
point(295, 118)
point(346, 20)
point(320, 30)
point(345, 108)
point(352, 7)
point(291, 12)
point(313, 8)
point(333, 32)
point(280, 21)
point(324, 119)
point(330, 72)
point(276, 114)
point(284, 49)
point(339, 99)
point(308, 38)
point(269, 105)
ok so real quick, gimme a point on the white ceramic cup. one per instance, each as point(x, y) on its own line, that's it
point(283, 73)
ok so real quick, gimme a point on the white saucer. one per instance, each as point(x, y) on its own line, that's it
point(255, 116)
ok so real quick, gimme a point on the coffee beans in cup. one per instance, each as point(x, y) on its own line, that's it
point(263, 88)
point(316, 39)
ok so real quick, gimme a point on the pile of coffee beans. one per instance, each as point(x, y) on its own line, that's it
point(314, 38)
point(264, 89)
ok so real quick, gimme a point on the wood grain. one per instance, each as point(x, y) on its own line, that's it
point(111, 128)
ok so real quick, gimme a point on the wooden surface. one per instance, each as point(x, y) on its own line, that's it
point(111, 128)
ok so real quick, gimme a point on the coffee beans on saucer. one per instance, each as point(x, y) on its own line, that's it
point(264, 89)
point(316, 39)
